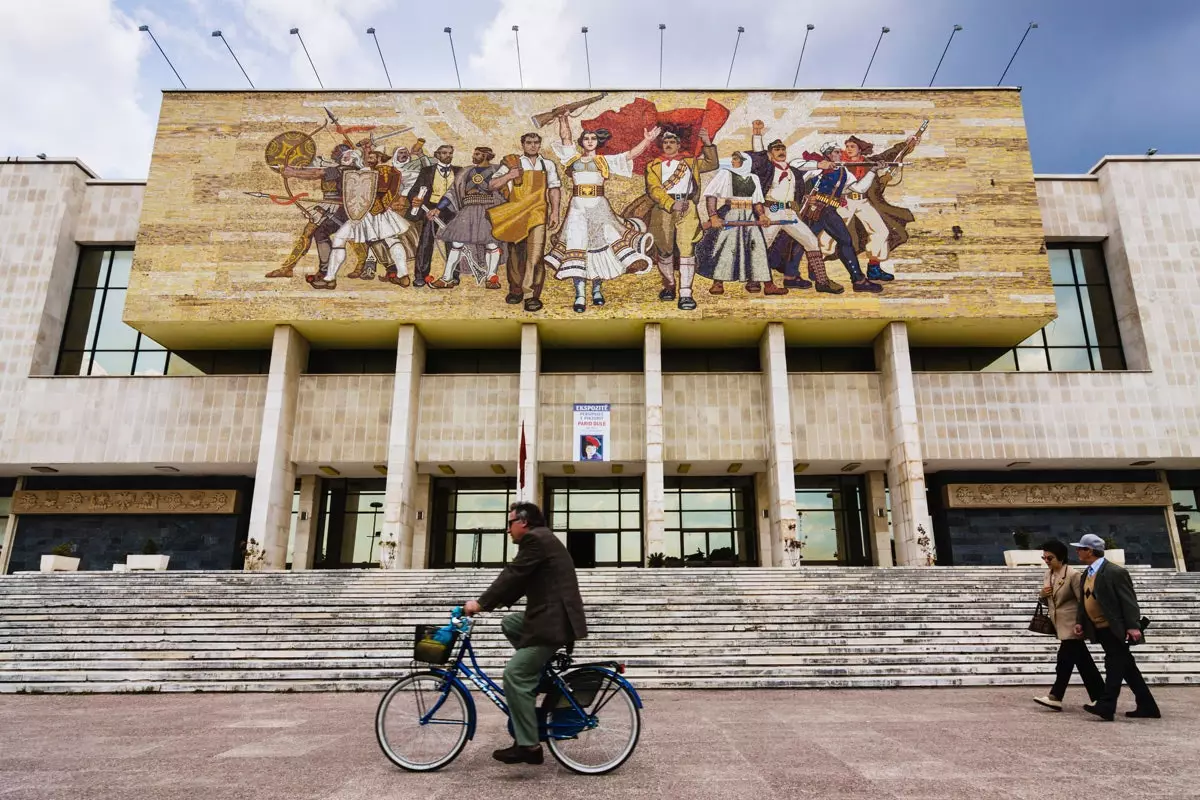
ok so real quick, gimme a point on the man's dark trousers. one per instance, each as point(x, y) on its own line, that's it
point(1119, 667)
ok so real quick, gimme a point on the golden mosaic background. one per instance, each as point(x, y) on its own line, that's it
point(204, 245)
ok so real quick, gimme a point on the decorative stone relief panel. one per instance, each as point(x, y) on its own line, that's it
point(1012, 495)
point(125, 501)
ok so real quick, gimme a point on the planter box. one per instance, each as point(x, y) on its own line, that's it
point(1023, 558)
point(59, 564)
point(157, 563)
point(1115, 556)
point(120, 568)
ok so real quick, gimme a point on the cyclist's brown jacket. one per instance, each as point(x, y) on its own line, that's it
point(544, 573)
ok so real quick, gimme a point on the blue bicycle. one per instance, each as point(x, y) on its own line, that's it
point(590, 717)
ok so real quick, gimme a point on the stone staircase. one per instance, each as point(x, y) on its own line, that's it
point(814, 627)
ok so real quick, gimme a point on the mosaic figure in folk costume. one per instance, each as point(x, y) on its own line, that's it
point(756, 219)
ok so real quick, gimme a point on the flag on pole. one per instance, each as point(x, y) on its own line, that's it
point(521, 454)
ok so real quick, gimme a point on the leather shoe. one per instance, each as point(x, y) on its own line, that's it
point(667, 294)
point(519, 755)
point(1107, 716)
point(1138, 713)
point(686, 303)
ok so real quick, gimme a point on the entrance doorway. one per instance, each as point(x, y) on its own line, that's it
point(831, 521)
point(582, 547)
point(351, 523)
point(598, 519)
point(468, 526)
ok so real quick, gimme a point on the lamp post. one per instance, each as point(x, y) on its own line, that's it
point(736, 42)
point(450, 34)
point(296, 32)
point(371, 32)
point(520, 72)
point(375, 506)
point(807, 30)
point(146, 29)
point(221, 36)
point(586, 55)
point(955, 30)
point(661, 34)
point(1032, 25)
point(882, 31)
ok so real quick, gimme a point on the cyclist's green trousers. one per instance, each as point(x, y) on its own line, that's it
point(521, 677)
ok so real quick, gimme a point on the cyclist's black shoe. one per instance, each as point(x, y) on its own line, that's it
point(519, 755)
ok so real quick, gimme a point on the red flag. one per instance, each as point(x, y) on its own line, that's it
point(521, 460)
point(628, 125)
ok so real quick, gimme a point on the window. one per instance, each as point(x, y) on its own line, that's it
point(1187, 519)
point(97, 342)
point(831, 359)
point(593, 360)
point(709, 521)
point(351, 519)
point(830, 521)
point(351, 362)
point(463, 362)
point(598, 519)
point(469, 523)
point(1084, 337)
point(732, 359)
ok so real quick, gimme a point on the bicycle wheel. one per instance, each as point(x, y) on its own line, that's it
point(605, 739)
point(422, 721)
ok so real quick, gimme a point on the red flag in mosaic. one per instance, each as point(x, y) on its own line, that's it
point(628, 125)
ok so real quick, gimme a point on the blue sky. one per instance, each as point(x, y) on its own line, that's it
point(1099, 76)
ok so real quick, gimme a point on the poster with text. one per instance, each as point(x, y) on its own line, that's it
point(591, 431)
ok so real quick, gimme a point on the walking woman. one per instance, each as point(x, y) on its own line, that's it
point(594, 244)
point(1062, 589)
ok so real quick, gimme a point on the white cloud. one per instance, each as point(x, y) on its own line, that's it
point(549, 54)
point(68, 79)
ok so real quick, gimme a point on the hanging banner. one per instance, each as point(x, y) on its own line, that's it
point(591, 431)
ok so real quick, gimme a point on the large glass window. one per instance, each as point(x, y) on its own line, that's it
point(1085, 336)
point(97, 342)
point(711, 359)
point(709, 522)
point(468, 362)
point(830, 521)
point(351, 523)
point(1187, 519)
point(831, 359)
point(598, 519)
point(469, 523)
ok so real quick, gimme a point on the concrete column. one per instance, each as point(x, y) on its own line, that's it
point(1173, 529)
point(905, 472)
point(781, 477)
point(877, 523)
point(653, 491)
point(529, 479)
point(398, 511)
point(304, 548)
point(421, 524)
point(9, 533)
point(275, 475)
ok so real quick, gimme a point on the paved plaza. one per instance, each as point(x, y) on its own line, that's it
point(938, 743)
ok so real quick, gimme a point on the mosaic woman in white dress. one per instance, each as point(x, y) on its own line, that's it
point(594, 244)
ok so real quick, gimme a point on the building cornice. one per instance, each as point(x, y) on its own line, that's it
point(27, 160)
point(1111, 159)
point(560, 89)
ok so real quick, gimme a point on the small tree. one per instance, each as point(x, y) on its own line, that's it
point(150, 548)
point(65, 549)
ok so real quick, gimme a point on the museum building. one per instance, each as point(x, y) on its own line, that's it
point(156, 396)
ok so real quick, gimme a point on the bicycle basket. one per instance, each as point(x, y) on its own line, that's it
point(429, 650)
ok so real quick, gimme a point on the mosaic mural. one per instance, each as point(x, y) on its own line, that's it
point(572, 205)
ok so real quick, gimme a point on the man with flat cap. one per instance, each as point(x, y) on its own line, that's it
point(1109, 614)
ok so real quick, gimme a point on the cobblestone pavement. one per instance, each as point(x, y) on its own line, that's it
point(976, 744)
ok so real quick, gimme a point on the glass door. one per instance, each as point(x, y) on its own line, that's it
point(830, 521)
point(598, 519)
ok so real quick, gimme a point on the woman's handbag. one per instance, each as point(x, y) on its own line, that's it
point(1042, 623)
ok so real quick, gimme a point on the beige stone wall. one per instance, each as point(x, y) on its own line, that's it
point(1072, 208)
point(714, 417)
point(560, 392)
point(1153, 222)
point(468, 418)
point(110, 212)
point(137, 420)
point(837, 417)
point(343, 418)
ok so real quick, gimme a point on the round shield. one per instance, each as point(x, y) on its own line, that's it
point(291, 149)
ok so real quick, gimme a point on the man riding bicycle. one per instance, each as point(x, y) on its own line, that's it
point(544, 573)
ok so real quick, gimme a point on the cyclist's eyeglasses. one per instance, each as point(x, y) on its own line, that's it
point(511, 522)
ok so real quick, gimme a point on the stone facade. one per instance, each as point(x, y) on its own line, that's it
point(895, 421)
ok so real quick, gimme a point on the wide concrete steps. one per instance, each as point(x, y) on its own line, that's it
point(674, 628)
